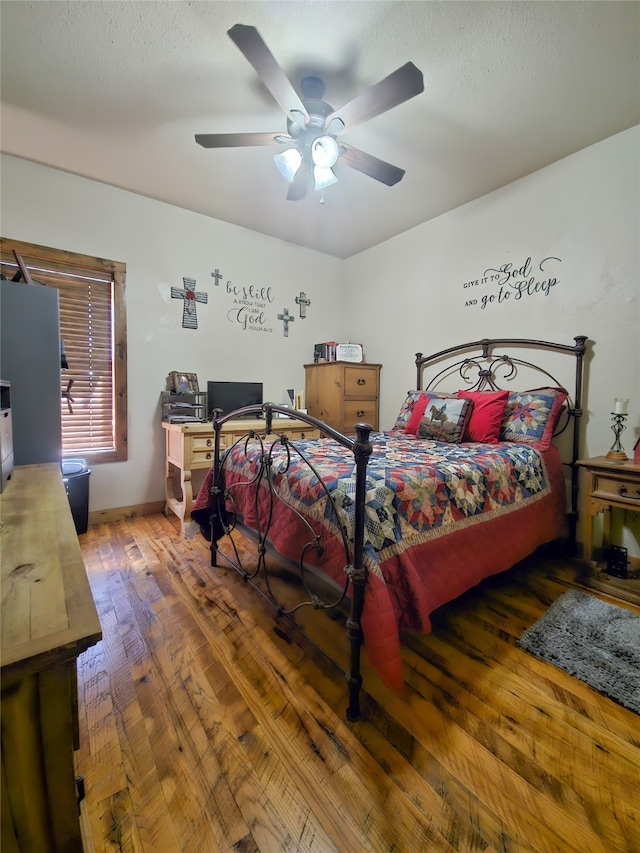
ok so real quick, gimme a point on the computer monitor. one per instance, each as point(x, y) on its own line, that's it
point(230, 396)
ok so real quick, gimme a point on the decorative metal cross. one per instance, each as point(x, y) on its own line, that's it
point(286, 318)
point(302, 301)
point(190, 296)
point(217, 275)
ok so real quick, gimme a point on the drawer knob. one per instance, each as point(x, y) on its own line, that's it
point(360, 413)
point(208, 456)
point(302, 435)
point(362, 381)
point(209, 442)
point(622, 490)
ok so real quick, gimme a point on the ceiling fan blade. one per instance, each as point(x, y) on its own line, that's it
point(370, 165)
point(404, 83)
point(250, 42)
point(236, 140)
point(301, 182)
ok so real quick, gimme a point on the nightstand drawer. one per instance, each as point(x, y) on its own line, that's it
point(619, 488)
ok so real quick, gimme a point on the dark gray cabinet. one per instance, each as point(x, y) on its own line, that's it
point(30, 361)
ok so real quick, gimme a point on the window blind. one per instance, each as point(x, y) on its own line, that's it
point(92, 329)
point(86, 332)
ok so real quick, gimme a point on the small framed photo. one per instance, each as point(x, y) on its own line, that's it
point(183, 383)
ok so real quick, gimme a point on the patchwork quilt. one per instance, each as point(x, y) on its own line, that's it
point(439, 518)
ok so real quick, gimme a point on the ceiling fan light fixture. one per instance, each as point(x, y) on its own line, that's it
point(323, 177)
point(313, 124)
point(288, 162)
point(325, 152)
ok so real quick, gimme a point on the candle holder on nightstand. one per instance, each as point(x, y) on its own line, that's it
point(617, 454)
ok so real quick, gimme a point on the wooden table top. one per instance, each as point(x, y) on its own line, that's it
point(610, 464)
point(48, 612)
point(240, 425)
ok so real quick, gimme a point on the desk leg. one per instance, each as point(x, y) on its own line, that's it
point(180, 506)
point(187, 496)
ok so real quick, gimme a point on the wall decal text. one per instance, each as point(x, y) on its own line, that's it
point(249, 306)
point(511, 282)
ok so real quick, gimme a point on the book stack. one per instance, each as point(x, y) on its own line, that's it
point(325, 351)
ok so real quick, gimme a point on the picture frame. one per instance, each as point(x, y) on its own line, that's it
point(349, 352)
point(180, 382)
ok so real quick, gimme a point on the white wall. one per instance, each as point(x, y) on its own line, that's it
point(403, 296)
point(160, 244)
point(583, 210)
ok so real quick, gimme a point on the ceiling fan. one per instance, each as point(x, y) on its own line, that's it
point(311, 143)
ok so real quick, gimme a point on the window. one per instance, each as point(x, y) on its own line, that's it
point(94, 334)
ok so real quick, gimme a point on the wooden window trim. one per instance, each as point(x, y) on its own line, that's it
point(71, 260)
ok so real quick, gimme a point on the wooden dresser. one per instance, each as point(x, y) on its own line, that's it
point(48, 619)
point(343, 394)
point(189, 447)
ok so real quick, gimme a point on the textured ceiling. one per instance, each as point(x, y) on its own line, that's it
point(116, 91)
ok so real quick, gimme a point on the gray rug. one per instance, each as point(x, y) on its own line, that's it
point(598, 643)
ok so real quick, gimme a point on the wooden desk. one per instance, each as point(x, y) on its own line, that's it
point(609, 485)
point(189, 447)
point(48, 619)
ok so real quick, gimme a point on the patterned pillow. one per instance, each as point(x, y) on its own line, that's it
point(416, 414)
point(444, 418)
point(530, 417)
point(406, 410)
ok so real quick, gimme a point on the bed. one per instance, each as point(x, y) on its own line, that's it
point(472, 478)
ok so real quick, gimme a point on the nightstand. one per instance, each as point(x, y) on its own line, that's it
point(609, 485)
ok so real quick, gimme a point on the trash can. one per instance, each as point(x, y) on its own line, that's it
point(75, 476)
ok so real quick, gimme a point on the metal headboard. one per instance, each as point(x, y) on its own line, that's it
point(487, 368)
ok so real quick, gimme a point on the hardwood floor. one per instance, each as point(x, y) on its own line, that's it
point(203, 730)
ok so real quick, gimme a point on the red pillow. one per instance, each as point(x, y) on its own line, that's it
point(486, 415)
point(416, 414)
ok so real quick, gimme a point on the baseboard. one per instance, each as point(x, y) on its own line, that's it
point(105, 516)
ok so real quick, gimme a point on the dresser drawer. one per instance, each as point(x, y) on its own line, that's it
point(617, 487)
point(356, 411)
point(360, 382)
